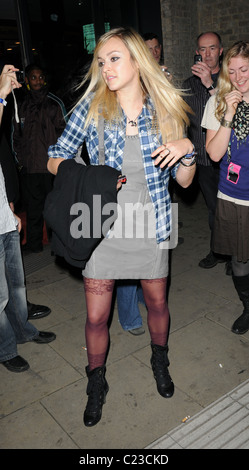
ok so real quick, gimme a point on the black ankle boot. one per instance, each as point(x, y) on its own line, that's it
point(159, 362)
point(241, 325)
point(97, 389)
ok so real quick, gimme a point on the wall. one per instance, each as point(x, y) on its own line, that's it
point(184, 20)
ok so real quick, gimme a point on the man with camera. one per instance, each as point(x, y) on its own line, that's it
point(200, 86)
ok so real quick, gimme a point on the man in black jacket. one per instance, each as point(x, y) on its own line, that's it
point(42, 117)
point(200, 86)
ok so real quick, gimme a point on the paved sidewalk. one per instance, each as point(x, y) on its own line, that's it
point(42, 408)
point(222, 425)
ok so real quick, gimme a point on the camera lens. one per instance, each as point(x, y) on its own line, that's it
point(20, 76)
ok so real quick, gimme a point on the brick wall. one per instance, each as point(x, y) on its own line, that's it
point(184, 20)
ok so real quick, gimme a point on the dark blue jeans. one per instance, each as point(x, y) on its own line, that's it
point(129, 294)
point(14, 325)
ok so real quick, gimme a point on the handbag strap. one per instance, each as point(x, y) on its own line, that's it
point(78, 158)
point(101, 140)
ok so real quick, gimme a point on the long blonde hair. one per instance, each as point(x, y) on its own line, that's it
point(171, 109)
point(224, 85)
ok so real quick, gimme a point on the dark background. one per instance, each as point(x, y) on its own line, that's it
point(51, 32)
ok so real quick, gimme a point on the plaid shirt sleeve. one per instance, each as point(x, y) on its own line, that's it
point(73, 135)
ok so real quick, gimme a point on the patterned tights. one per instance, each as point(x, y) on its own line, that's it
point(98, 301)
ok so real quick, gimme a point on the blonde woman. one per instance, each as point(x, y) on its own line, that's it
point(226, 119)
point(144, 120)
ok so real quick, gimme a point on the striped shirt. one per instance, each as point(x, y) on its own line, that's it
point(114, 141)
point(197, 97)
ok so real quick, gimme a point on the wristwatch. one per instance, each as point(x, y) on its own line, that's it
point(212, 87)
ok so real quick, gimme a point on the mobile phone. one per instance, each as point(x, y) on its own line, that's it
point(197, 58)
point(122, 179)
point(20, 76)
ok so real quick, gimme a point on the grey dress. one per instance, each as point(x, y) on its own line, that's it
point(130, 251)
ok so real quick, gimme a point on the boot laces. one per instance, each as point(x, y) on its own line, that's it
point(96, 393)
point(160, 366)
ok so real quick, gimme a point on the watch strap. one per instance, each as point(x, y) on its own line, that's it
point(212, 87)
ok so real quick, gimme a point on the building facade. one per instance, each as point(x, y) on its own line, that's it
point(183, 20)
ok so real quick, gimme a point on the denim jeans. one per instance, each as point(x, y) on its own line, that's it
point(129, 293)
point(14, 325)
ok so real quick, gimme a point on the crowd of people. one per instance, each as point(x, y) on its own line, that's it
point(133, 119)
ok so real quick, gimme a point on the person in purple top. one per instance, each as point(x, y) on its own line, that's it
point(226, 119)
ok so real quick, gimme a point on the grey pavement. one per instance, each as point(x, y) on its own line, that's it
point(42, 408)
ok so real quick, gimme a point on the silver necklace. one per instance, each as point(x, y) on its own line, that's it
point(133, 122)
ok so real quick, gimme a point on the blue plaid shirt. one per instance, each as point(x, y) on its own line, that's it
point(114, 141)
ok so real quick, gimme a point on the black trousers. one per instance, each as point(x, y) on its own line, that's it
point(208, 178)
point(34, 189)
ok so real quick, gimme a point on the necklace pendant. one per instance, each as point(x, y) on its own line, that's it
point(132, 123)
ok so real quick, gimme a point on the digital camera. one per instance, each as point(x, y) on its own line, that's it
point(20, 76)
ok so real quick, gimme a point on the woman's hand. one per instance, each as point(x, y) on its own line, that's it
point(168, 155)
point(121, 180)
point(217, 141)
point(168, 75)
point(232, 100)
point(19, 221)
